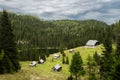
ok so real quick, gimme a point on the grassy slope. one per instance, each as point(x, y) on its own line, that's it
point(43, 71)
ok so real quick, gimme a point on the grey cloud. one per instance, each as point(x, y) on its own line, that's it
point(105, 10)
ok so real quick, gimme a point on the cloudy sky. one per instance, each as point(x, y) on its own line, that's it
point(104, 10)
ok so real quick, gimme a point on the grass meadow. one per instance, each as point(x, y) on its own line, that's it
point(44, 71)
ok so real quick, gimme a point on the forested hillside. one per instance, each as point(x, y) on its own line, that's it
point(35, 37)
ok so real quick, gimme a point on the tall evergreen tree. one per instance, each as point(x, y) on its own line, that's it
point(76, 68)
point(10, 62)
point(96, 57)
point(2, 55)
point(67, 60)
point(116, 69)
point(107, 58)
point(91, 68)
point(63, 60)
point(117, 36)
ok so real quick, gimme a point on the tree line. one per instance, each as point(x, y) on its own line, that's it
point(36, 36)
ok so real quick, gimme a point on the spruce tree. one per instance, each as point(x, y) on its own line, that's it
point(70, 77)
point(2, 54)
point(1, 62)
point(116, 69)
point(67, 60)
point(117, 36)
point(63, 60)
point(10, 61)
point(91, 68)
point(76, 68)
point(107, 58)
point(96, 57)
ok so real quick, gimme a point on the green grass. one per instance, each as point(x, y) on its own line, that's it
point(43, 71)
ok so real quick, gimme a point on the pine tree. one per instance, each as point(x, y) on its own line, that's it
point(117, 36)
point(2, 68)
point(63, 60)
point(63, 54)
point(2, 54)
point(91, 68)
point(67, 60)
point(96, 57)
point(76, 68)
point(116, 72)
point(70, 77)
point(10, 61)
point(116, 68)
point(107, 58)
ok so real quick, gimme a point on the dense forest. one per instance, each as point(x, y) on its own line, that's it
point(30, 38)
point(35, 36)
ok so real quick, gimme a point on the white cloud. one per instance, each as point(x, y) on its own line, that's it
point(66, 9)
